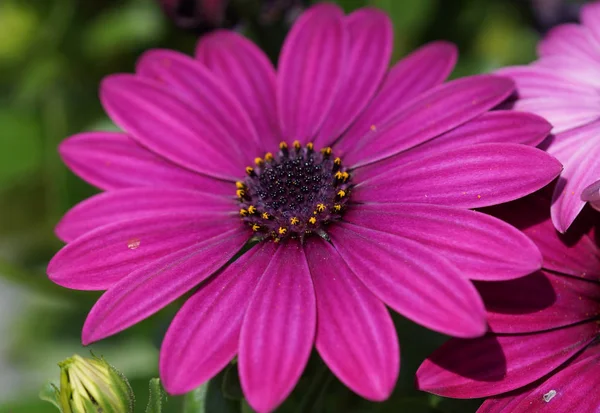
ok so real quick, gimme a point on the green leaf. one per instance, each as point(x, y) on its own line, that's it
point(50, 393)
point(195, 400)
point(209, 398)
point(157, 394)
point(231, 386)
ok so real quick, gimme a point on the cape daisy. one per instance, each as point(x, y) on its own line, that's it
point(348, 184)
point(542, 353)
point(563, 86)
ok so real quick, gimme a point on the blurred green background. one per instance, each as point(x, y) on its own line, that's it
point(53, 54)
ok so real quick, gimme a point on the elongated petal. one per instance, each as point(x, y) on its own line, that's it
point(311, 65)
point(533, 81)
point(370, 37)
point(540, 301)
point(496, 364)
point(247, 72)
point(412, 279)
point(221, 113)
point(498, 126)
point(127, 204)
point(572, 69)
point(278, 330)
point(204, 335)
point(590, 17)
point(582, 170)
point(170, 126)
point(111, 160)
point(573, 388)
point(355, 333)
point(418, 72)
point(100, 258)
point(591, 194)
point(563, 112)
point(150, 288)
point(574, 254)
point(564, 145)
point(480, 246)
point(571, 40)
point(471, 177)
point(436, 112)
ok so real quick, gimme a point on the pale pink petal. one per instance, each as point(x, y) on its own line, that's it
point(418, 72)
point(311, 65)
point(204, 335)
point(564, 145)
point(102, 257)
point(170, 126)
point(480, 246)
point(153, 286)
point(355, 334)
point(412, 279)
point(582, 170)
point(571, 40)
point(247, 72)
point(591, 194)
point(590, 17)
point(370, 36)
point(471, 177)
point(278, 330)
point(539, 301)
point(496, 364)
point(563, 112)
point(535, 81)
point(127, 204)
point(436, 112)
point(111, 160)
point(572, 69)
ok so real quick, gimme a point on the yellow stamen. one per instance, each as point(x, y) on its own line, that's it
point(283, 145)
point(337, 207)
point(276, 240)
point(294, 220)
point(255, 227)
point(297, 145)
point(265, 215)
point(310, 146)
point(282, 230)
point(321, 207)
point(240, 193)
point(259, 161)
point(243, 212)
point(268, 157)
point(337, 161)
point(326, 151)
point(252, 209)
point(341, 193)
point(249, 170)
point(240, 185)
point(312, 220)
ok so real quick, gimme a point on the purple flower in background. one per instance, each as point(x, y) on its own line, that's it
point(591, 194)
point(563, 86)
point(347, 187)
point(542, 353)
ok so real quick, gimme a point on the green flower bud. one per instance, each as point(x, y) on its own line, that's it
point(91, 385)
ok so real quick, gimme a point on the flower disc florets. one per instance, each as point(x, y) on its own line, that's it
point(296, 192)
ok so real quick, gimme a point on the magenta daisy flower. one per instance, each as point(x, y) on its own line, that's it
point(563, 86)
point(542, 353)
point(298, 202)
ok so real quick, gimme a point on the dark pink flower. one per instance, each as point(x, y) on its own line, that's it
point(563, 86)
point(542, 353)
point(358, 195)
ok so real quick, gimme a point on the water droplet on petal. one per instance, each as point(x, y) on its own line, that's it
point(133, 243)
point(549, 396)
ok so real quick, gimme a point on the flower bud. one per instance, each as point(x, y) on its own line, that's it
point(91, 385)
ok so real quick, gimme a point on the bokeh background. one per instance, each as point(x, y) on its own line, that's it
point(53, 53)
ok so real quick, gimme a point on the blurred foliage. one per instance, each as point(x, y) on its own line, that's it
point(53, 55)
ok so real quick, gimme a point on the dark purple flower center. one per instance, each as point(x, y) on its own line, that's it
point(294, 193)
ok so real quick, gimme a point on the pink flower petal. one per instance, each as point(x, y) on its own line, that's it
point(572, 69)
point(480, 246)
point(574, 254)
point(573, 388)
point(571, 40)
point(436, 112)
point(582, 170)
point(311, 65)
point(151, 287)
point(493, 365)
point(471, 177)
point(170, 126)
point(499, 126)
point(418, 72)
point(412, 279)
point(102, 257)
point(355, 334)
point(247, 72)
point(370, 36)
point(540, 301)
point(127, 204)
point(204, 335)
point(590, 17)
point(564, 145)
point(563, 112)
point(112, 160)
point(220, 111)
point(535, 81)
point(278, 330)
point(591, 194)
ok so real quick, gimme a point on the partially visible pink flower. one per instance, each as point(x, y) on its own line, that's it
point(563, 86)
point(591, 194)
point(349, 185)
point(542, 353)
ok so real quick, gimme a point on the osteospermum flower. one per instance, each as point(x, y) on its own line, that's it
point(299, 202)
point(563, 86)
point(542, 354)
